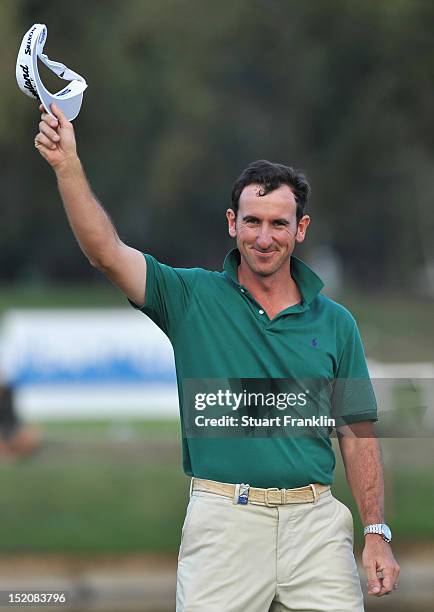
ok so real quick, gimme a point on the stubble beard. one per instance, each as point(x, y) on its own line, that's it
point(267, 271)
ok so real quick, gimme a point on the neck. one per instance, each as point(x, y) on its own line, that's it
point(278, 288)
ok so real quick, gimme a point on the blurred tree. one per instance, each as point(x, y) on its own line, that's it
point(182, 95)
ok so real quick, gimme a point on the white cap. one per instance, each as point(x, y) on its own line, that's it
point(69, 98)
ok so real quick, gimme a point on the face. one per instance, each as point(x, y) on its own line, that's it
point(266, 228)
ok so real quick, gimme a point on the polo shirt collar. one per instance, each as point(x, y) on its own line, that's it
point(307, 281)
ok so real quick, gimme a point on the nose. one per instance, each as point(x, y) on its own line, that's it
point(264, 239)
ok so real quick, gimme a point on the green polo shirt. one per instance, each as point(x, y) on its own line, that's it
point(219, 332)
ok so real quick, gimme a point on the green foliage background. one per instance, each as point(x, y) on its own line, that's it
point(184, 94)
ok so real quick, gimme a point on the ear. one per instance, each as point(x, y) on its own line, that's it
point(301, 228)
point(230, 216)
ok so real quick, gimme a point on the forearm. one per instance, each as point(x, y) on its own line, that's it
point(361, 454)
point(89, 221)
point(364, 470)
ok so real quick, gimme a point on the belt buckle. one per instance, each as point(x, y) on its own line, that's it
point(241, 494)
point(271, 504)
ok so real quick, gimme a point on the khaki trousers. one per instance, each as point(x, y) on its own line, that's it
point(253, 558)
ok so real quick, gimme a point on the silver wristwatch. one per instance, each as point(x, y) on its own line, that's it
point(380, 528)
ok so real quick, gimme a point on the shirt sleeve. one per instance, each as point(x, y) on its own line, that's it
point(353, 397)
point(168, 293)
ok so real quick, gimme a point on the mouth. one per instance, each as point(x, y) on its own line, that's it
point(264, 254)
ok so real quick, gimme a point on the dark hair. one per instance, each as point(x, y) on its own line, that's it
point(271, 176)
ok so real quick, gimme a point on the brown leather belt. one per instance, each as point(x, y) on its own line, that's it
point(268, 497)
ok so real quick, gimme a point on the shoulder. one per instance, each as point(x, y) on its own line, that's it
point(197, 278)
point(201, 276)
point(336, 314)
point(335, 309)
point(159, 266)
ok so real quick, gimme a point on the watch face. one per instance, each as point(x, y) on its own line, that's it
point(386, 532)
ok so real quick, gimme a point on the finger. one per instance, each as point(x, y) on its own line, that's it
point(373, 584)
point(63, 121)
point(388, 581)
point(50, 120)
point(42, 141)
point(383, 591)
point(46, 115)
point(49, 132)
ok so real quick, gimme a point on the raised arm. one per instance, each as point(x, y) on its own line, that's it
point(91, 224)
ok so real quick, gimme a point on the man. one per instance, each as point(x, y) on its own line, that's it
point(262, 530)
